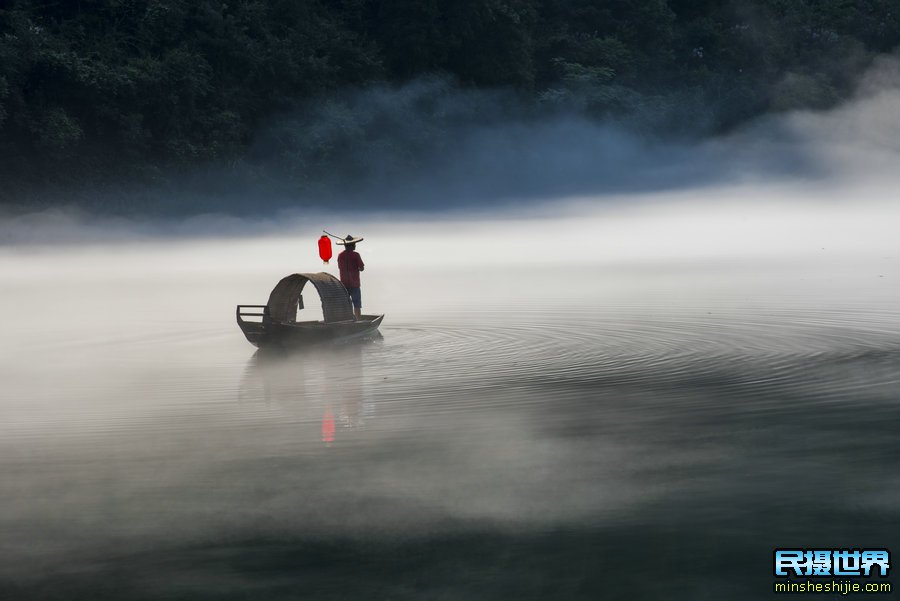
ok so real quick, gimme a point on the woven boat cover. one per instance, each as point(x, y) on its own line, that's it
point(335, 298)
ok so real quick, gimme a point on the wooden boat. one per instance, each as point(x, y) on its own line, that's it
point(275, 323)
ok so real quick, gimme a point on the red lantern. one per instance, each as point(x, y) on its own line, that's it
point(325, 249)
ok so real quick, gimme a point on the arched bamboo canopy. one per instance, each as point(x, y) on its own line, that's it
point(335, 298)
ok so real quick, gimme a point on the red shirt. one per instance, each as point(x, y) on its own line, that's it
point(350, 264)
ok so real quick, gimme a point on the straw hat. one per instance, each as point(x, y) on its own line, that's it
point(349, 240)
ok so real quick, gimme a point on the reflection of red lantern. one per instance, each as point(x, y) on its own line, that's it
point(328, 426)
point(325, 249)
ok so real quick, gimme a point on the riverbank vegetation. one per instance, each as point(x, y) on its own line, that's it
point(102, 91)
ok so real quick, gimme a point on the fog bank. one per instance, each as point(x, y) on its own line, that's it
point(429, 146)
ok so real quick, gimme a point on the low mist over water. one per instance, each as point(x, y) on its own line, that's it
point(632, 399)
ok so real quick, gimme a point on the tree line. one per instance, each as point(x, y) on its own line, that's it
point(138, 89)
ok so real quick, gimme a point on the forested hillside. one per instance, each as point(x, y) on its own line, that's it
point(137, 90)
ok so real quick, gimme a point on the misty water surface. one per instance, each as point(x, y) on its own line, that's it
point(636, 402)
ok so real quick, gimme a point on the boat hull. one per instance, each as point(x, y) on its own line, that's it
point(269, 333)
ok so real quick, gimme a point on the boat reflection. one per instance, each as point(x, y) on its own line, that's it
point(323, 386)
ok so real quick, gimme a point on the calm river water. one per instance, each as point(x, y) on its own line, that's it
point(565, 430)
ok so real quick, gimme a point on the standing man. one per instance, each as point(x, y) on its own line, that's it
point(350, 264)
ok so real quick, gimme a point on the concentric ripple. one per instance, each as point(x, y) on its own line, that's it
point(740, 352)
